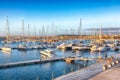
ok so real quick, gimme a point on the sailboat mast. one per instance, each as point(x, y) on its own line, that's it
point(8, 30)
point(35, 32)
point(23, 29)
point(28, 30)
point(40, 33)
point(43, 32)
point(79, 29)
point(53, 28)
point(100, 35)
point(94, 34)
point(47, 30)
point(56, 31)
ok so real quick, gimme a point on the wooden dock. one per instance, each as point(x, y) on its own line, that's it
point(81, 59)
point(23, 63)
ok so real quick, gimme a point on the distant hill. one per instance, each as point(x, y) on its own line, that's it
point(104, 28)
point(108, 31)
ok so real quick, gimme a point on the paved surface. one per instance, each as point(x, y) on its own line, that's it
point(110, 74)
point(89, 72)
point(83, 74)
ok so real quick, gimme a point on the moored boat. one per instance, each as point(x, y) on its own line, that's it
point(6, 49)
point(48, 53)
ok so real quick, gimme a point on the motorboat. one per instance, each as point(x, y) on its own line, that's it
point(94, 48)
point(61, 46)
point(22, 47)
point(102, 49)
point(6, 49)
point(81, 48)
point(48, 53)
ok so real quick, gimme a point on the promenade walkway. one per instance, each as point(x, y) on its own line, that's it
point(110, 74)
point(86, 73)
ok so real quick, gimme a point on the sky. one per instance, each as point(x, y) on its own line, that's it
point(58, 16)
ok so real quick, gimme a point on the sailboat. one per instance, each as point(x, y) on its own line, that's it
point(22, 46)
point(6, 47)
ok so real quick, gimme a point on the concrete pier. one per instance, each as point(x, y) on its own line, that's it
point(83, 74)
point(86, 73)
point(23, 63)
point(110, 74)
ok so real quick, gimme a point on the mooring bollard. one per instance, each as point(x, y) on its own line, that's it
point(104, 67)
point(117, 62)
point(113, 63)
point(109, 65)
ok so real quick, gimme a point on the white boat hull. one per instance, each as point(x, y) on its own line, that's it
point(6, 49)
point(50, 54)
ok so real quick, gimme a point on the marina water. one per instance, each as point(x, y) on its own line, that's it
point(44, 71)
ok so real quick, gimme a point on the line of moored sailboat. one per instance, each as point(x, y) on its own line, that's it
point(47, 49)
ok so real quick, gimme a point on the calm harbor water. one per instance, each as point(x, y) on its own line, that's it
point(44, 71)
point(39, 71)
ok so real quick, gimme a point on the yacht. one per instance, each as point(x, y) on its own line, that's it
point(75, 47)
point(68, 47)
point(48, 53)
point(94, 48)
point(113, 47)
point(81, 48)
point(6, 49)
point(22, 47)
point(61, 46)
point(102, 49)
